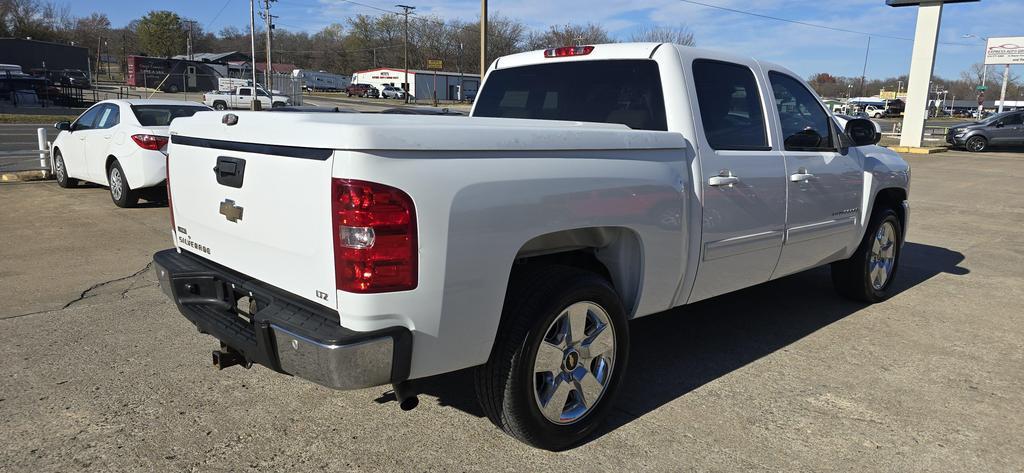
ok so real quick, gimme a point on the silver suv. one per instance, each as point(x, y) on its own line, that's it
point(1003, 129)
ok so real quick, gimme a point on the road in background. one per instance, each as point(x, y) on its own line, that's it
point(100, 371)
point(18, 145)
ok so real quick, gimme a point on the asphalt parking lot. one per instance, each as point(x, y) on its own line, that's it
point(101, 373)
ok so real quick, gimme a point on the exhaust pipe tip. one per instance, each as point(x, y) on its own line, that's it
point(409, 403)
point(405, 394)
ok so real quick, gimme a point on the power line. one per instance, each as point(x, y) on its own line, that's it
point(209, 23)
point(804, 23)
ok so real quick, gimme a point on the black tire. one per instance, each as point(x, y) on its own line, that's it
point(853, 277)
point(220, 105)
point(277, 104)
point(172, 89)
point(120, 192)
point(60, 171)
point(976, 144)
point(505, 385)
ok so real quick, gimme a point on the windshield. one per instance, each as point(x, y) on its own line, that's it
point(616, 91)
point(161, 115)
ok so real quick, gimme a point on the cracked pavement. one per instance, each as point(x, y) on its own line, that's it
point(99, 371)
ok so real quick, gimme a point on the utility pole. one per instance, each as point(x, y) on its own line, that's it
point(188, 41)
point(407, 86)
point(99, 41)
point(268, 75)
point(864, 72)
point(483, 39)
point(462, 77)
point(255, 104)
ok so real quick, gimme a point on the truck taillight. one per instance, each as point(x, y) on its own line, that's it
point(150, 142)
point(374, 228)
point(568, 51)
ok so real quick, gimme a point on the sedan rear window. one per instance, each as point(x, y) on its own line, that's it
point(161, 115)
point(615, 91)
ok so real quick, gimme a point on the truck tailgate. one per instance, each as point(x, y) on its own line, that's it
point(262, 210)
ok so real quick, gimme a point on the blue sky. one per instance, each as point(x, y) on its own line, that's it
point(804, 49)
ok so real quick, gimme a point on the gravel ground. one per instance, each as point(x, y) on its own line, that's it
point(99, 371)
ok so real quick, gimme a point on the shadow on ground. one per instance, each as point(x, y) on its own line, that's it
point(682, 349)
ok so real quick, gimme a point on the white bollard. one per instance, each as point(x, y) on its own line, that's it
point(44, 151)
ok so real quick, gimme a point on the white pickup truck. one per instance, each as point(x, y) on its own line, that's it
point(241, 97)
point(357, 250)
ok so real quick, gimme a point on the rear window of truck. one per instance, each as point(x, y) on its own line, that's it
point(161, 115)
point(626, 91)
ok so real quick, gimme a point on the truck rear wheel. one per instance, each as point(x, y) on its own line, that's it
point(559, 357)
point(218, 105)
point(867, 275)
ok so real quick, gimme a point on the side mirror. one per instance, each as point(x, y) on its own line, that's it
point(862, 132)
point(63, 126)
point(806, 139)
point(1000, 124)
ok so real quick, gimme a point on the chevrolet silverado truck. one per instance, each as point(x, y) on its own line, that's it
point(357, 250)
point(242, 97)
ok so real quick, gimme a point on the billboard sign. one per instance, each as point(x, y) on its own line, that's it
point(1005, 50)
point(435, 64)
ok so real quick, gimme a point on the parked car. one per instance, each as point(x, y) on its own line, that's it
point(392, 92)
point(362, 90)
point(876, 111)
point(242, 97)
point(120, 144)
point(523, 239)
point(1003, 129)
point(74, 78)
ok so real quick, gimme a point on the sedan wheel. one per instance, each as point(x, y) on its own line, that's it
point(60, 171)
point(120, 192)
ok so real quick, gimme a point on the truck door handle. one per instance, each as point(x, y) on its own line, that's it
point(724, 178)
point(800, 177)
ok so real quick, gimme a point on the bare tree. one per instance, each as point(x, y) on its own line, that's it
point(568, 35)
point(664, 34)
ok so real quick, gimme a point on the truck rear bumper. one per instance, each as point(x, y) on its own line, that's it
point(279, 330)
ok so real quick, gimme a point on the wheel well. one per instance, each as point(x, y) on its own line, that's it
point(110, 160)
point(612, 252)
point(893, 198)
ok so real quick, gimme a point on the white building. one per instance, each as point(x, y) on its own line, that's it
point(421, 82)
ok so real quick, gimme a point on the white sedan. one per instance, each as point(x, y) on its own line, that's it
point(120, 144)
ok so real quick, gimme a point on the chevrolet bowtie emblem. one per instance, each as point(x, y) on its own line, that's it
point(231, 211)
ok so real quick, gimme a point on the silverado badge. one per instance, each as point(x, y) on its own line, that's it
point(231, 211)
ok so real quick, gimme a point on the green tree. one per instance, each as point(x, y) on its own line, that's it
point(162, 34)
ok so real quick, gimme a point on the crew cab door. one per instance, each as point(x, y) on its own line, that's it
point(743, 178)
point(243, 99)
point(825, 184)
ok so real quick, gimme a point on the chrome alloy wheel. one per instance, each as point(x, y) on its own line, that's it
point(883, 255)
point(574, 363)
point(976, 144)
point(116, 183)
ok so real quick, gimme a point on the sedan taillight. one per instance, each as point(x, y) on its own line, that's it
point(150, 142)
point(374, 229)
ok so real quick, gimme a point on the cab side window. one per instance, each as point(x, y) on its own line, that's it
point(730, 106)
point(108, 118)
point(805, 125)
point(244, 91)
point(86, 121)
